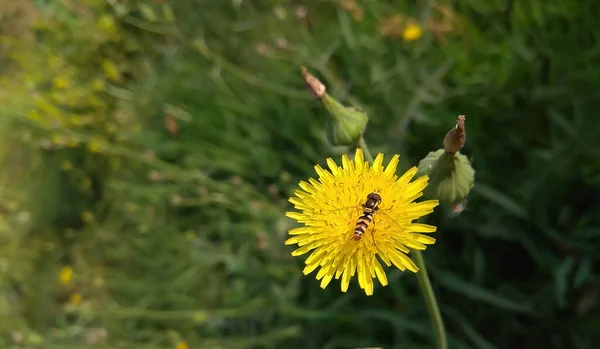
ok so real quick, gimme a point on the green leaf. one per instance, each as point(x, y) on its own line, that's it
point(167, 13)
point(481, 294)
point(502, 200)
point(561, 281)
point(346, 26)
point(148, 13)
point(583, 273)
point(475, 337)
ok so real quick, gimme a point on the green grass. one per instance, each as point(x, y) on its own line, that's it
point(178, 236)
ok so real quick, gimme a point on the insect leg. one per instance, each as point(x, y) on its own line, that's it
point(338, 209)
point(390, 218)
point(373, 233)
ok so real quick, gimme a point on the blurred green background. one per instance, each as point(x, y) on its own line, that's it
point(148, 149)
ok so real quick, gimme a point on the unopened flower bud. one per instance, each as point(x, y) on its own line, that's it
point(347, 124)
point(456, 137)
point(451, 176)
point(314, 85)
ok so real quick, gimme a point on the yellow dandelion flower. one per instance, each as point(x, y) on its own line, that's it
point(94, 146)
point(75, 298)
point(65, 275)
point(111, 70)
point(86, 183)
point(331, 206)
point(98, 85)
point(182, 345)
point(60, 82)
point(58, 139)
point(87, 216)
point(66, 165)
point(76, 120)
point(412, 32)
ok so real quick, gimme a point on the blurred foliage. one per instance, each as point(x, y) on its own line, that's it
point(150, 147)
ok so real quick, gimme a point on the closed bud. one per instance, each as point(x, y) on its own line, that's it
point(313, 84)
point(347, 124)
point(451, 176)
point(456, 137)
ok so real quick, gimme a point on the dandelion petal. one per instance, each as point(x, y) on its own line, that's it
point(380, 274)
point(327, 278)
point(310, 268)
point(390, 170)
point(422, 228)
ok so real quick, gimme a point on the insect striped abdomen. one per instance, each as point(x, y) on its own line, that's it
point(362, 224)
point(369, 208)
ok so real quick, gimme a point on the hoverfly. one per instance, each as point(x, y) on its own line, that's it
point(369, 208)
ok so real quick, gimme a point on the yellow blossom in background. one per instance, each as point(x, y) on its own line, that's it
point(87, 216)
point(182, 345)
point(75, 299)
point(94, 146)
point(34, 115)
point(58, 140)
point(107, 24)
point(76, 120)
point(86, 183)
point(66, 165)
point(330, 207)
point(60, 82)
point(98, 85)
point(111, 70)
point(65, 275)
point(412, 32)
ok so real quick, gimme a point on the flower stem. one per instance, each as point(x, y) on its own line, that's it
point(423, 279)
point(430, 301)
point(363, 145)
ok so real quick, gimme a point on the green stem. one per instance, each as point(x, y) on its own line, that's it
point(430, 301)
point(363, 145)
point(423, 279)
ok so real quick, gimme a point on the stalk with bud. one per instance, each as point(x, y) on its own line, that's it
point(451, 175)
